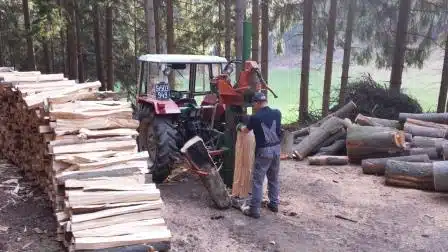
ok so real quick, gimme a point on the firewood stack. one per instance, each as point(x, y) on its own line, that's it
point(80, 145)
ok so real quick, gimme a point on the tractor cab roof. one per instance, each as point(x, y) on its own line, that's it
point(182, 58)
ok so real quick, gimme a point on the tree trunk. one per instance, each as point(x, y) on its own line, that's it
point(417, 130)
point(410, 175)
point(441, 105)
point(265, 39)
point(202, 163)
point(255, 29)
point(318, 136)
point(239, 17)
point(30, 61)
point(328, 160)
point(157, 32)
point(423, 142)
point(227, 29)
point(81, 74)
point(306, 55)
point(151, 29)
point(169, 27)
point(109, 48)
point(331, 26)
point(373, 142)
point(340, 134)
point(400, 47)
point(445, 151)
point(47, 56)
point(98, 45)
point(440, 173)
point(220, 28)
point(347, 51)
point(377, 166)
point(427, 117)
point(334, 149)
point(71, 39)
point(432, 152)
point(427, 124)
point(372, 121)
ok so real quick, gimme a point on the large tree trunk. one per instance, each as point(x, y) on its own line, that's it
point(157, 29)
point(98, 45)
point(441, 105)
point(427, 117)
point(81, 74)
point(347, 50)
point(151, 29)
point(71, 41)
point(265, 39)
point(109, 48)
point(331, 26)
point(400, 47)
point(239, 19)
point(373, 142)
point(169, 27)
point(255, 29)
point(306, 55)
point(410, 175)
point(47, 56)
point(440, 173)
point(417, 130)
point(220, 28)
point(334, 149)
point(377, 166)
point(318, 136)
point(372, 121)
point(227, 29)
point(340, 134)
point(30, 61)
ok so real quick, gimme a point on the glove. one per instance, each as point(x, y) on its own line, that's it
point(239, 126)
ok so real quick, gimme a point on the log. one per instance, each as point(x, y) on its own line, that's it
point(445, 151)
point(373, 142)
point(298, 140)
point(417, 130)
point(440, 172)
point(287, 142)
point(410, 175)
point(328, 160)
point(372, 121)
point(432, 152)
point(318, 136)
point(428, 117)
point(377, 166)
point(336, 148)
point(341, 134)
point(427, 124)
point(423, 142)
point(201, 161)
point(244, 162)
point(408, 137)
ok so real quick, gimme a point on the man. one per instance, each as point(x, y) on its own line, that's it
point(266, 125)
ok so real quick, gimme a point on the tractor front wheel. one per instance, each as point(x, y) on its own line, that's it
point(158, 136)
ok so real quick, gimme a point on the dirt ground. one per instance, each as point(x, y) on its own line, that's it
point(378, 218)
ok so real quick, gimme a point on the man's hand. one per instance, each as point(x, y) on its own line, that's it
point(242, 128)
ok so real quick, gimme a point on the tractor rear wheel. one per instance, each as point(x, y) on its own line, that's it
point(159, 137)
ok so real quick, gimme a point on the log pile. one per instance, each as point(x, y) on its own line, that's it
point(79, 145)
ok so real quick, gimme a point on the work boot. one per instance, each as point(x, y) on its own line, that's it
point(272, 207)
point(250, 211)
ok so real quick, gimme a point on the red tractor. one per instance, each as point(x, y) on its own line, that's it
point(169, 113)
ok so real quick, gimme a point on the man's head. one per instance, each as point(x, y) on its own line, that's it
point(259, 100)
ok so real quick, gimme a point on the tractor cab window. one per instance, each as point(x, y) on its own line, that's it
point(204, 74)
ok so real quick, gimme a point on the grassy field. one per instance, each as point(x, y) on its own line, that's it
point(423, 84)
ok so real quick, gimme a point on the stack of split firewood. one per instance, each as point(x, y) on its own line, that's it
point(408, 151)
point(80, 145)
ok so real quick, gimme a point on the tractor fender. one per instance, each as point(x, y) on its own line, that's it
point(166, 107)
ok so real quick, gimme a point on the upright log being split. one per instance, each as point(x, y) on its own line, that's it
point(202, 163)
point(377, 166)
point(410, 175)
point(372, 121)
point(373, 142)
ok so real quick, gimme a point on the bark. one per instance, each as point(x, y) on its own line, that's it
point(151, 29)
point(408, 137)
point(220, 27)
point(255, 29)
point(287, 142)
point(445, 151)
point(306, 55)
point(47, 57)
point(347, 50)
point(373, 142)
point(169, 27)
point(328, 160)
point(318, 136)
point(244, 161)
point(331, 26)
point(427, 117)
point(400, 47)
point(265, 39)
point(441, 105)
point(71, 39)
point(334, 149)
point(227, 28)
point(30, 61)
point(432, 152)
point(98, 45)
point(417, 130)
point(423, 142)
point(79, 46)
point(340, 134)
point(239, 12)
point(410, 175)
point(200, 160)
point(372, 121)
point(109, 48)
point(157, 31)
point(440, 173)
point(377, 166)
point(427, 124)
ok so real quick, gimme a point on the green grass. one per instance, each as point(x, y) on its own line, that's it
point(423, 84)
